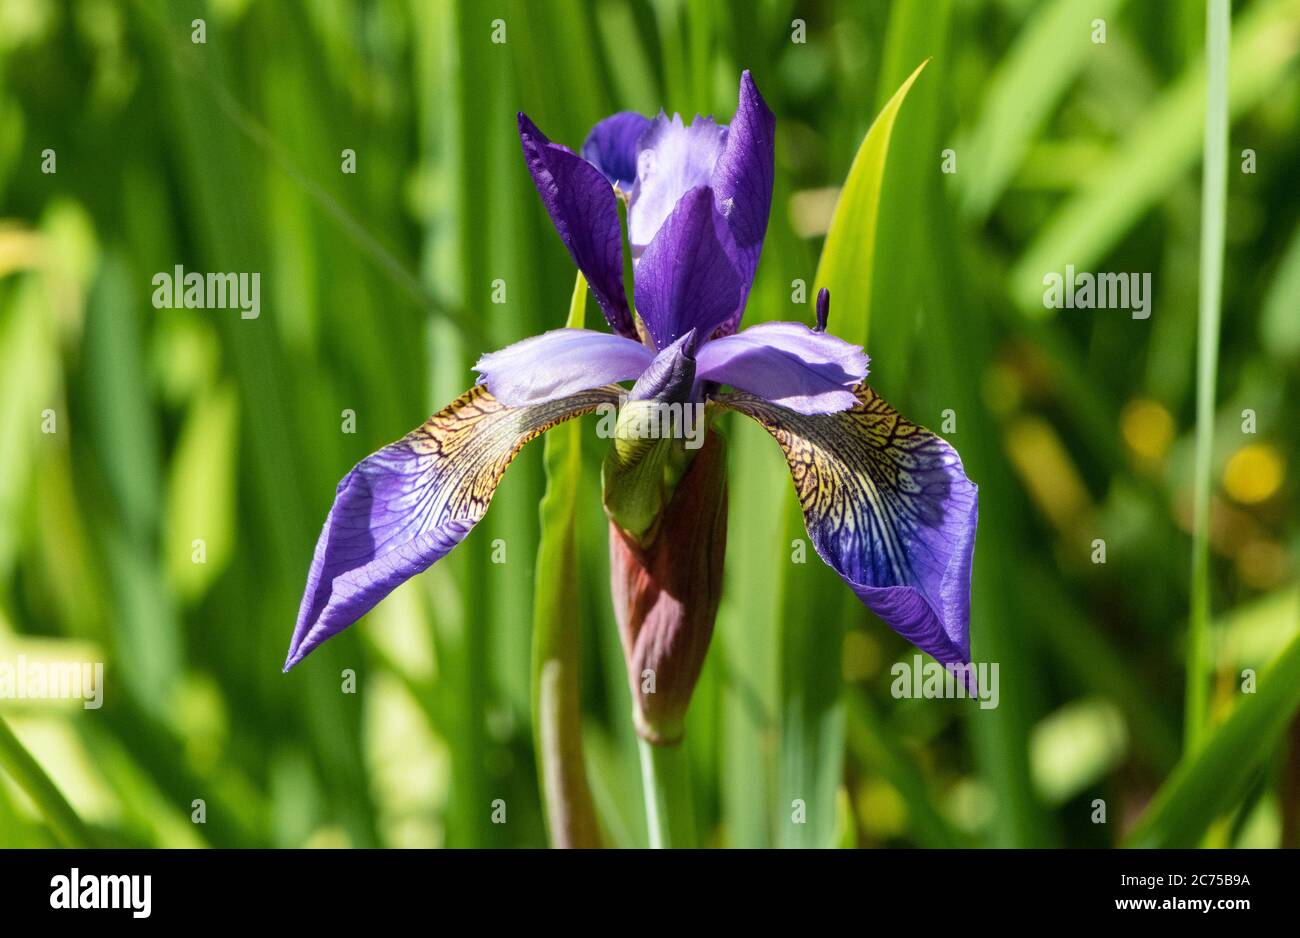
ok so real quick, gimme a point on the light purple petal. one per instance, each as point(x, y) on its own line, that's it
point(585, 212)
point(788, 364)
point(672, 159)
point(405, 507)
point(611, 147)
point(742, 183)
point(888, 506)
point(685, 279)
point(558, 363)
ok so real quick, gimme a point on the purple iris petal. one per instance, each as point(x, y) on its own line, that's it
point(889, 507)
point(381, 531)
point(585, 212)
point(611, 147)
point(685, 279)
point(670, 378)
point(405, 507)
point(788, 364)
point(558, 363)
point(742, 183)
point(672, 159)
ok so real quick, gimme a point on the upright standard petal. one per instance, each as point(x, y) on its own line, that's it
point(742, 183)
point(585, 212)
point(558, 363)
point(685, 279)
point(612, 144)
point(672, 159)
point(788, 364)
point(889, 508)
point(405, 507)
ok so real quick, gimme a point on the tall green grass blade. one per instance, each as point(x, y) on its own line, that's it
point(631, 72)
point(849, 253)
point(747, 647)
point(31, 778)
point(1214, 186)
point(815, 603)
point(1156, 154)
point(1048, 53)
point(1279, 324)
point(1209, 780)
point(201, 493)
point(953, 373)
point(146, 633)
point(557, 717)
point(911, 193)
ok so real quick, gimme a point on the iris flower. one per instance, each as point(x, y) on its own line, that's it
point(886, 503)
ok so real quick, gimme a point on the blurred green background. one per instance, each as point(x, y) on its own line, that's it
point(177, 425)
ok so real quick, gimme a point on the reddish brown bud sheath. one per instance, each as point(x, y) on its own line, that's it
point(666, 594)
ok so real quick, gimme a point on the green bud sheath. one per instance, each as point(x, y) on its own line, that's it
point(666, 582)
point(639, 473)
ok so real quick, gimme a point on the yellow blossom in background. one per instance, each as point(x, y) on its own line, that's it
point(1147, 427)
point(1253, 474)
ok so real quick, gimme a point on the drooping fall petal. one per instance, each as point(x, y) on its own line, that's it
point(584, 209)
point(406, 506)
point(889, 508)
point(558, 363)
point(788, 364)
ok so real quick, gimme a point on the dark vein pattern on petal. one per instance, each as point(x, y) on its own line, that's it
point(889, 508)
point(406, 506)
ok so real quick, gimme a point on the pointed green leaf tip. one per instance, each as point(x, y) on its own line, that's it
point(849, 252)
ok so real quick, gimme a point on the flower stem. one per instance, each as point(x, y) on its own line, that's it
point(31, 778)
point(670, 817)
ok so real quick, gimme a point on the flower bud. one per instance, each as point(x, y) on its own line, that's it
point(666, 593)
point(649, 452)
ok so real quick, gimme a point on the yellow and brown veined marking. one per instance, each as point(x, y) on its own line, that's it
point(469, 444)
point(406, 506)
point(888, 506)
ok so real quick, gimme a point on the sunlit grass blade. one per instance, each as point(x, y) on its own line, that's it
point(1155, 155)
point(31, 778)
point(1047, 55)
point(557, 730)
point(1214, 185)
point(1279, 324)
point(849, 252)
point(1209, 780)
point(911, 193)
